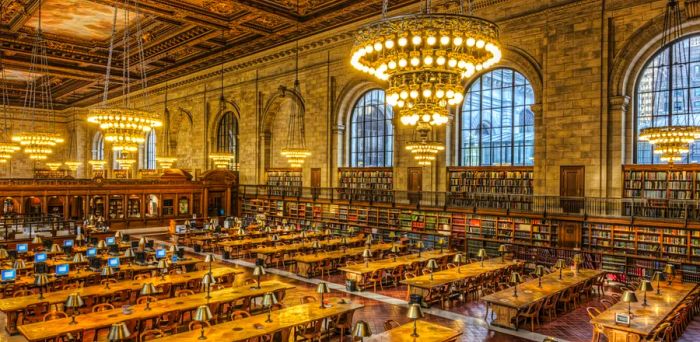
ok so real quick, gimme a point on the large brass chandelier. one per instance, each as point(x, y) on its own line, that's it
point(424, 58)
point(670, 141)
point(38, 143)
point(125, 127)
point(424, 149)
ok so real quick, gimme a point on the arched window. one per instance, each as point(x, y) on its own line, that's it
point(497, 125)
point(149, 151)
point(98, 146)
point(227, 135)
point(371, 131)
point(658, 104)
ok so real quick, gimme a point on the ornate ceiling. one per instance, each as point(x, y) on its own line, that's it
point(181, 37)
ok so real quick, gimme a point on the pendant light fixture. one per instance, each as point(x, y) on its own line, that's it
point(38, 142)
point(425, 58)
point(71, 161)
point(671, 141)
point(295, 150)
point(166, 161)
point(125, 127)
point(423, 148)
point(7, 146)
point(222, 159)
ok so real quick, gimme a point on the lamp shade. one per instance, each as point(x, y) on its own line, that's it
point(41, 279)
point(172, 249)
point(258, 271)
point(241, 231)
point(458, 258)
point(142, 241)
point(269, 299)
point(414, 312)
point(209, 258)
point(578, 258)
point(482, 253)
point(79, 258)
point(395, 249)
point(163, 264)
point(361, 330)
point(79, 237)
point(668, 269)
point(203, 314)
point(369, 239)
point(118, 332)
point(316, 244)
point(322, 288)
point(561, 263)
point(432, 264)
point(129, 253)
point(420, 244)
point(101, 244)
point(515, 277)
point(392, 234)
point(646, 286)
point(107, 271)
point(343, 240)
point(37, 240)
point(4, 254)
point(19, 264)
point(55, 248)
point(502, 249)
point(327, 231)
point(208, 279)
point(656, 276)
point(148, 289)
point(74, 301)
point(367, 253)
point(119, 235)
point(539, 270)
point(441, 242)
point(629, 297)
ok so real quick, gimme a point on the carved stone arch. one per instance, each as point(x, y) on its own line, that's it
point(229, 106)
point(274, 102)
point(182, 117)
point(342, 113)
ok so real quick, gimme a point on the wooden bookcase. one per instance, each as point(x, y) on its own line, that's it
point(284, 181)
point(661, 188)
point(373, 184)
point(466, 183)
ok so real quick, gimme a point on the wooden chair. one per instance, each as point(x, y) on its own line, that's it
point(375, 278)
point(102, 307)
point(184, 293)
point(606, 303)
point(391, 324)
point(309, 332)
point(142, 276)
point(550, 306)
point(22, 293)
point(142, 299)
point(660, 333)
point(532, 313)
point(597, 328)
point(151, 334)
point(239, 314)
point(308, 299)
point(342, 323)
point(566, 300)
point(169, 322)
point(71, 286)
point(54, 315)
point(33, 313)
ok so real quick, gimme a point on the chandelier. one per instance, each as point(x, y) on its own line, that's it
point(423, 149)
point(221, 160)
point(53, 166)
point(7, 146)
point(670, 141)
point(424, 58)
point(166, 161)
point(38, 144)
point(295, 151)
point(125, 127)
point(126, 162)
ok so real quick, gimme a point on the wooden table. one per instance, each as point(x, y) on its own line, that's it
point(423, 285)
point(266, 252)
point(644, 318)
point(426, 332)
point(359, 272)
point(12, 306)
point(41, 331)
point(506, 307)
point(255, 326)
point(245, 244)
point(306, 264)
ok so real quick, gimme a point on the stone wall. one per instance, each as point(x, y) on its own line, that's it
point(581, 56)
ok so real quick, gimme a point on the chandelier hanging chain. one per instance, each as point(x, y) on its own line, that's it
point(108, 73)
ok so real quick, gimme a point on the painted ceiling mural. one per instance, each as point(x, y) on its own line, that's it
point(180, 36)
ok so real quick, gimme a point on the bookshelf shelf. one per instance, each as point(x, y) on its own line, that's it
point(464, 182)
point(284, 182)
point(373, 184)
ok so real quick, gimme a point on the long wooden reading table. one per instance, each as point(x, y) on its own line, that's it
point(306, 264)
point(256, 326)
point(41, 331)
point(506, 307)
point(427, 331)
point(644, 318)
point(266, 252)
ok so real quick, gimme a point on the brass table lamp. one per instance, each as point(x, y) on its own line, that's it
point(415, 313)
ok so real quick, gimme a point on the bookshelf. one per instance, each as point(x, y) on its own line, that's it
point(116, 207)
point(133, 207)
point(512, 181)
point(660, 188)
point(373, 184)
point(284, 181)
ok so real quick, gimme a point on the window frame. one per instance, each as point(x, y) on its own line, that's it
point(371, 151)
point(223, 134)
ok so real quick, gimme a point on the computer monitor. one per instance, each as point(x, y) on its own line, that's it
point(95, 263)
point(67, 243)
point(93, 241)
point(62, 270)
point(113, 262)
point(160, 253)
point(140, 257)
point(91, 252)
point(68, 249)
point(181, 252)
point(40, 257)
point(126, 237)
point(41, 267)
point(150, 244)
point(9, 275)
point(110, 241)
point(22, 248)
point(174, 258)
point(113, 249)
point(134, 244)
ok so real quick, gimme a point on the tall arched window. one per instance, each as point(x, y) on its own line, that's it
point(227, 135)
point(658, 104)
point(98, 146)
point(149, 151)
point(497, 125)
point(371, 131)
